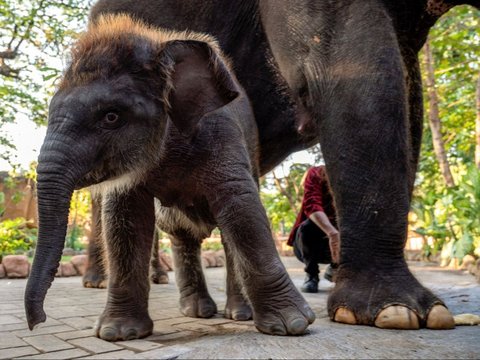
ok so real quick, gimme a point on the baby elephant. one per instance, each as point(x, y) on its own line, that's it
point(158, 123)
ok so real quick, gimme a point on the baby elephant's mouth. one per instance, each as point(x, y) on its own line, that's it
point(89, 180)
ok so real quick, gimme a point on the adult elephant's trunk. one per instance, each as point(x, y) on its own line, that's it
point(56, 178)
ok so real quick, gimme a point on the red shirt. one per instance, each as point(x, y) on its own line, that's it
point(316, 197)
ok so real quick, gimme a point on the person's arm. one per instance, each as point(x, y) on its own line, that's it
point(321, 220)
point(313, 208)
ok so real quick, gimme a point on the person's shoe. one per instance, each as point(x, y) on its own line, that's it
point(330, 272)
point(310, 285)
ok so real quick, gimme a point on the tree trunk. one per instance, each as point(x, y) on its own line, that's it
point(477, 126)
point(284, 192)
point(434, 117)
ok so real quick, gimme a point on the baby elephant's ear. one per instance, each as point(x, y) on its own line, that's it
point(198, 82)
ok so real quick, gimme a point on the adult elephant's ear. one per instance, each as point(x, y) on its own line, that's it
point(198, 81)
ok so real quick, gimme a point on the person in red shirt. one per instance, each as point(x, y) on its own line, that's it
point(314, 237)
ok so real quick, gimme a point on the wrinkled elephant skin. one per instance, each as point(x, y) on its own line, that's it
point(157, 123)
point(345, 73)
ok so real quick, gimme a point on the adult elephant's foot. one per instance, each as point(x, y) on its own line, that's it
point(94, 278)
point(197, 305)
point(389, 301)
point(278, 307)
point(237, 308)
point(120, 328)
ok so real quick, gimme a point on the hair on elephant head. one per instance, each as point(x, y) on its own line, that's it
point(126, 87)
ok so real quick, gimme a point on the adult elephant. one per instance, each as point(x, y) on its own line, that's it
point(346, 71)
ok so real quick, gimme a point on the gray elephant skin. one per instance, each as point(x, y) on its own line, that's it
point(147, 115)
point(344, 73)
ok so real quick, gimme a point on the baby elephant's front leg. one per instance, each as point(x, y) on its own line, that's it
point(278, 307)
point(128, 225)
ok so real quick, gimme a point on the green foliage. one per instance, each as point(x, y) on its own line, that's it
point(80, 218)
point(15, 236)
point(33, 37)
point(2, 203)
point(456, 47)
point(212, 245)
point(274, 197)
point(449, 217)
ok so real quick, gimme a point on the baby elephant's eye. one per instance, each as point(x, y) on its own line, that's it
point(111, 120)
point(111, 117)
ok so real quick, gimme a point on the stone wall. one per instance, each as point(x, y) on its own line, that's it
point(27, 206)
point(18, 266)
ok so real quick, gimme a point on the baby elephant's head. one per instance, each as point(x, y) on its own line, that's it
point(125, 84)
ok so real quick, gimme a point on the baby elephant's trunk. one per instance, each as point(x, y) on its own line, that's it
point(55, 184)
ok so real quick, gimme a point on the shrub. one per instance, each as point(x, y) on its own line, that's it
point(16, 236)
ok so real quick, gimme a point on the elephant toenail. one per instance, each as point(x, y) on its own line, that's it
point(310, 316)
point(131, 334)
point(440, 318)
point(241, 316)
point(397, 317)
point(346, 316)
point(278, 330)
point(108, 333)
point(298, 326)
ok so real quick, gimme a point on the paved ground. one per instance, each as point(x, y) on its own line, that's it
point(72, 311)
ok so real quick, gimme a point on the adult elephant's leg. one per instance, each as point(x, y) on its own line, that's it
point(128, 224)
point(237, 307)
point(195, 301)
point(278, 308)
point(365, 140)
point(344, 64)
point(158, 274)
point(95, 275)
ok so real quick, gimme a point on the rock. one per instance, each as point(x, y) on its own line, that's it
point(2, 271)
point(467, 261)
point(412, 255)
point(475, 270)
point(287, 252)
point(16, 266)
point(166, 260)
point(220, 256)
point(68, 252)
point(454, 264)
point(209, 257)
point(66, 269)
point(437, 258)
point(80, 263)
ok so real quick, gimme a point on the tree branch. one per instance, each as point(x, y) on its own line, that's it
point(280, 188)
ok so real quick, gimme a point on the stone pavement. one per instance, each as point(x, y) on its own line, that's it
point(72, 311)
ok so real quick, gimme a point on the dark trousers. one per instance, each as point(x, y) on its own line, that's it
point(311, 246)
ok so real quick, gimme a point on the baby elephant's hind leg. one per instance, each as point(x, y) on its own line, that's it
point(158, 274)
point(95, 275)
point(195, 301)
point(237, 306)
